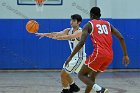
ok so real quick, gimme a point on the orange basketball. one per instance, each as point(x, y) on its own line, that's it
point(32, 26)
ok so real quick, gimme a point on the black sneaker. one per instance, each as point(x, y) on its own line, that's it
point(66, 91)
point(103, 90)
point(74, 88)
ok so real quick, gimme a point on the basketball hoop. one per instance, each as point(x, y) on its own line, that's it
point(39, 5)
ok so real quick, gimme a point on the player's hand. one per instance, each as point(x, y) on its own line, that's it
point(125, 60)
point(67, 61)
point(41, 35)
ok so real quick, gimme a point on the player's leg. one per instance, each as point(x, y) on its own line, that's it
point(107, 61)
point(66, 79)
point(79, 62)
point(83, 76)
point(92, 76)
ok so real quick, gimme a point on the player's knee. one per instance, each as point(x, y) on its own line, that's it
point(80, 75)
point(64, 74)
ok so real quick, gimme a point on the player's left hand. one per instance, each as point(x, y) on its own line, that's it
point(67, 61)
point(125, 60)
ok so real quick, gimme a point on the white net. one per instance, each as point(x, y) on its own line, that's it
point(39, 5)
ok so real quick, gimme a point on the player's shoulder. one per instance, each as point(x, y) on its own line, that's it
point(80, 29)
point(68, 29)
point(106, 21)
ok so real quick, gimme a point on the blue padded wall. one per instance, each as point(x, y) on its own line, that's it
point(21, 50)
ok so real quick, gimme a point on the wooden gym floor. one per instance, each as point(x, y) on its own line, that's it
point(49, 82)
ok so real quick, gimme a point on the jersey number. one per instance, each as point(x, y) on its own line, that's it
point(102, 29)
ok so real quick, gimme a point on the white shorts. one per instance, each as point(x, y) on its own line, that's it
point(74, 65)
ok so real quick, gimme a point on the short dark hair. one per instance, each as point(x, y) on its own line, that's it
point(76, 17)
point(95, 11)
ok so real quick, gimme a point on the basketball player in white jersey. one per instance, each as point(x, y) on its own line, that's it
point(73, 36)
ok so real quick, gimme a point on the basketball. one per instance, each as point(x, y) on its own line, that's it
point(32, 26)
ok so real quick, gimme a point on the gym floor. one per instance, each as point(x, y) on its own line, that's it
point(49, 82)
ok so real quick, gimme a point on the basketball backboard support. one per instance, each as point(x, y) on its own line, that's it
point(32, 2)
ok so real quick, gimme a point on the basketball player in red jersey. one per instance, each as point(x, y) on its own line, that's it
point(101, 34)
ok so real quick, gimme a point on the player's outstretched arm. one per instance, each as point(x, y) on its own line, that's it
point(52, 34)
point(61, 33)
point(118, 35)
point(67, 37)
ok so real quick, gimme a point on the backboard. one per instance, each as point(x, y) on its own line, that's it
point(32, 2)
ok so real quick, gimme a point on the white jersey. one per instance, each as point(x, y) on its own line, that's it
point(74, 42)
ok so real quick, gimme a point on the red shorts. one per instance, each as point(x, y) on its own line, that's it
point(98, 62)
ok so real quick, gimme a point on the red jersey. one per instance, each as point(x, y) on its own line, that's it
point(101, 37)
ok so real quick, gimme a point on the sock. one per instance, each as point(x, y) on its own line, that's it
point(65, 87)
point(72, 83)
point(96, 87)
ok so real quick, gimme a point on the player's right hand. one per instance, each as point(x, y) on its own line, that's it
point(41, 35)
point(126, 60)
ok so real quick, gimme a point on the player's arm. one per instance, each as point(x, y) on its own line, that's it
point(71, 36)
point(53, 34)
point(61, 33)
point(87, 29)
point(119, 36)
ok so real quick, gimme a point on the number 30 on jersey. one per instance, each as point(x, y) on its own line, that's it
point(102, 29)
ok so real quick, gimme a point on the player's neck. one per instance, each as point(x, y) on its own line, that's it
point(75, 28)
point(95, 18)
